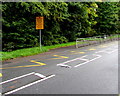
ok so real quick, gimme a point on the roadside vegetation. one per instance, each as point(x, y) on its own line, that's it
point(36, 50)
point(64, 22)
point(32, 51)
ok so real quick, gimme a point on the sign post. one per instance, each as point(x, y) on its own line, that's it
point(40, 38)
point(39, 26)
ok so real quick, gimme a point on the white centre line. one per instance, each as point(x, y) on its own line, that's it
point(10, 92)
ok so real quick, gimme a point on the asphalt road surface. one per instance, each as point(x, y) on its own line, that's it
point(86, 70)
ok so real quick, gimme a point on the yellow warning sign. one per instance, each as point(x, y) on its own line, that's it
point(39, 22)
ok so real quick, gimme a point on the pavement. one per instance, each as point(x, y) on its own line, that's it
point(86, 70)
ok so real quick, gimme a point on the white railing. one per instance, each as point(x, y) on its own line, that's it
point(80, 42)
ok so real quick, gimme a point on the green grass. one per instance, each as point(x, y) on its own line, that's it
point(22, 52)
point(32, 51)
point(36, 50)
point(60, 45)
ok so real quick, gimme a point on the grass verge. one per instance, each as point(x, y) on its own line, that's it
point(32, 51)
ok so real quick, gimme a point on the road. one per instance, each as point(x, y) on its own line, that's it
point(86, 70)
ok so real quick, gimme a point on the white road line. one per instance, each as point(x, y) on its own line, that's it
point(99, 51)
point(107, 51)
point(84, 59)
point(40, 75)
point(17, 78)
point(112, 51)
point(10, 92)
point(70, 60)
point(103, 50)
point(63, 65)
point(88, 61)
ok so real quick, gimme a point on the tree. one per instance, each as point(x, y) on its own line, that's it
point(107, 18)
point(64, 22)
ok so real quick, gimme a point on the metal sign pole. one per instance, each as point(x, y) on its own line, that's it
point(40, 38)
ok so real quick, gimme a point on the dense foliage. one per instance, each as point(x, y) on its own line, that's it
point(64, 22)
